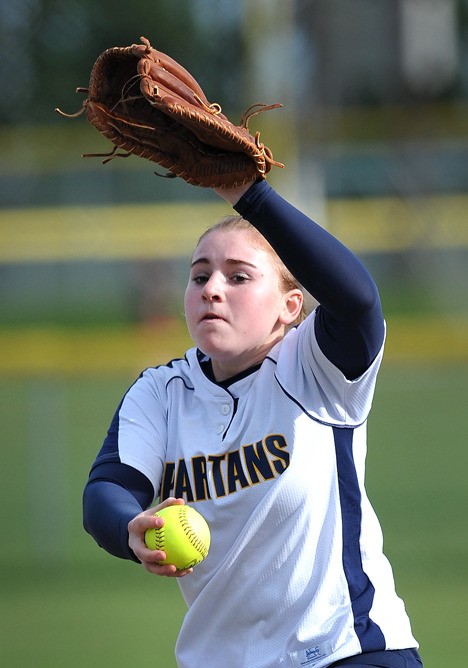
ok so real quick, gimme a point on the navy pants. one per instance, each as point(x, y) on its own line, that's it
point(403, 658)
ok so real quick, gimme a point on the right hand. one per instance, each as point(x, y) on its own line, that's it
point(136, 541)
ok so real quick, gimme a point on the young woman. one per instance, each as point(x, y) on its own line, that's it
point(262, 428)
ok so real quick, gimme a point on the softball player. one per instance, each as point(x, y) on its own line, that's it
point(262, 428)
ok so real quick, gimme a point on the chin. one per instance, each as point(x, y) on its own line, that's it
point(218, 352)
point(215, 352)
point(211, 348)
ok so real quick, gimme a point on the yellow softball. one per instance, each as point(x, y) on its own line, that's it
point(184, 537)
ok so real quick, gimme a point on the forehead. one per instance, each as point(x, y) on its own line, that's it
point(236, 244)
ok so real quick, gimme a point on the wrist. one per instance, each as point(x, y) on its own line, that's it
point(233, 195)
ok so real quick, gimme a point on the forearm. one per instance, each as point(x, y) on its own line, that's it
point(114, 495)
point(107, 510)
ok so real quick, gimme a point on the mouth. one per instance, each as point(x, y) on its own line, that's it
point(211, 317)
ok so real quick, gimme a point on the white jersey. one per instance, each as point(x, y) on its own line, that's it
point(275, 463)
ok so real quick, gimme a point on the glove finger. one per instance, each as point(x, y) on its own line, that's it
point(157, 82)
point(147, 52)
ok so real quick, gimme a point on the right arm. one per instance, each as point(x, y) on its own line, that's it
point(114, 500)
point(118, 495)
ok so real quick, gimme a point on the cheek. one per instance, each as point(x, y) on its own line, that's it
point(262, 310)
point(270, 301)
point(188, 302)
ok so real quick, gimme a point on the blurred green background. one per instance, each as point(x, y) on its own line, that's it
point(374, 136)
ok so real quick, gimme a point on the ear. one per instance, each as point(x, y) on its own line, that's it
point(292, 305)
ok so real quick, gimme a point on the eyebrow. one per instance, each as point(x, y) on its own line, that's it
point(205, 260)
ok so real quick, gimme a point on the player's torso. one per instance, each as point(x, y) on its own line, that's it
point(248, 450)
point(223, 441)
point(263, 473)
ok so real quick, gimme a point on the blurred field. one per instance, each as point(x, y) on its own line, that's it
point(65, 602)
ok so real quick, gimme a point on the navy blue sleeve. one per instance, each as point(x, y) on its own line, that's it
point(349, 325)
point(114, 494)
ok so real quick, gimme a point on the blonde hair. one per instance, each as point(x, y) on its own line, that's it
point(287, 280)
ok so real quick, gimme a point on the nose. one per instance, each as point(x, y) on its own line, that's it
point(212, 291)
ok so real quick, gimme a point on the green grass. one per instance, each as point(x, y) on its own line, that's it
point(104, 614)
point(65, 602)
point(417, 465)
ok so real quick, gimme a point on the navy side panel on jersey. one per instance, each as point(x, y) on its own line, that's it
point(361, 589)
point(110, 447)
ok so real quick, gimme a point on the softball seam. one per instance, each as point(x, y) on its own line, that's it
point(194, 539)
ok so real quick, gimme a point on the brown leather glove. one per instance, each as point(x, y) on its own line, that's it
point(150, 106)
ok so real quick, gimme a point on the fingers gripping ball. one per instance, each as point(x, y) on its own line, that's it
point(184, 537)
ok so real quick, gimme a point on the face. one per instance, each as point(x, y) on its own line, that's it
point(234, 307)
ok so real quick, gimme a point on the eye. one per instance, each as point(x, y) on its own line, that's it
point(239, 278)
point(200, 279)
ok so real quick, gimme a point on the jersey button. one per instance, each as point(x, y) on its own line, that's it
point(220, 428)
point(225, 408)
